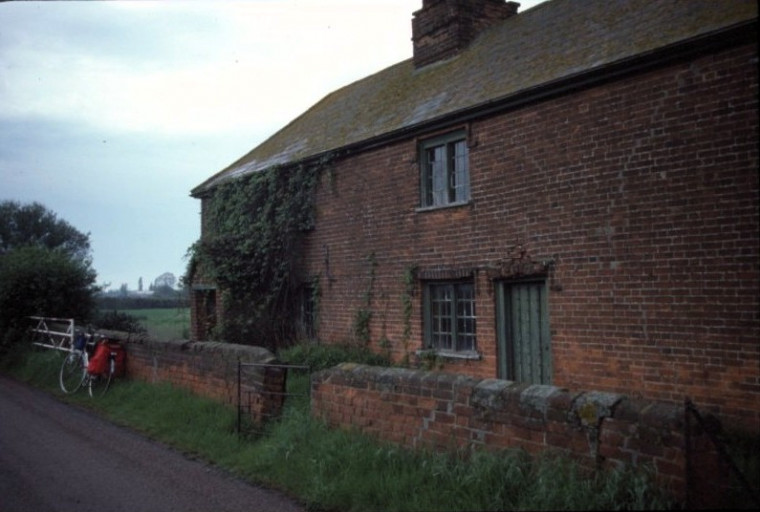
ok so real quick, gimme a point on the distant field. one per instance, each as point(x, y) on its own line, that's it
point(163, 324)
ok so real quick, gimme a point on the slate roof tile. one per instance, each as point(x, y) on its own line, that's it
point(553, 41)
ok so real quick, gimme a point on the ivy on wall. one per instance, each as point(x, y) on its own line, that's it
point(409, 280)
point(363, 315)
point(251, 250)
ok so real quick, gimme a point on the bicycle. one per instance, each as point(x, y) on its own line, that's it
point(78, 369)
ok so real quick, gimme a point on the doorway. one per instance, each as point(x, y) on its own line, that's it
point(522, 329)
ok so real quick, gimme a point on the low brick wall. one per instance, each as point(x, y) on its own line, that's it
point(422, 409)
point(210, 369)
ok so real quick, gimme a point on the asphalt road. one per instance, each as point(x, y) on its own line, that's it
point(57, 457)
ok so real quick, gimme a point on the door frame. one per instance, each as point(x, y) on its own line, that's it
point(505, 349)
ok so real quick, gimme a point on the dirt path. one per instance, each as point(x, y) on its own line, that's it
point(56, 457)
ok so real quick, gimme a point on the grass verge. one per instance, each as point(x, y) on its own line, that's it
point(343, 470)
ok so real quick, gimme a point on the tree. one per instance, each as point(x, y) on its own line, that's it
point(45, 269)
point(166, 279)
point(41, 282)
point(34, 225)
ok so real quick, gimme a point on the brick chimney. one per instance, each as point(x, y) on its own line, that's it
point(442, 28)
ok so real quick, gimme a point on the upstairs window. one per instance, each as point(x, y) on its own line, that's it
point(445, 171)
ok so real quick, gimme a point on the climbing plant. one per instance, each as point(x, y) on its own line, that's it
point(409, 280)
point(363, 315)
point(255, 225)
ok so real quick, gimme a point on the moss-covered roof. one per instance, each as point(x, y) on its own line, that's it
point(553, 41)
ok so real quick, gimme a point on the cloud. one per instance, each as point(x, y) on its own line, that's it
point(111, 112)
point(272, 62)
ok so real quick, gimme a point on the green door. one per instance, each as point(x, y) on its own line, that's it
point(522, 327)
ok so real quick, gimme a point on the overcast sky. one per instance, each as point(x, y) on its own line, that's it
point(111, 112)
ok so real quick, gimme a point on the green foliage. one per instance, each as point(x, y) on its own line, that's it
point(255, 226)
point(320, 357)
point(362, 318)
point(45, 269)
point(119, 321)
point(31, 364)
point(409, 280)
point(167, 292)
point(363, 315)
point(189, 422)
point(430, 361)
point(34, 225)
point(39, 281)
point(116, 302)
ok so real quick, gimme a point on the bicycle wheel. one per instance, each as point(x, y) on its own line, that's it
point(72, 372)
point(97, 385)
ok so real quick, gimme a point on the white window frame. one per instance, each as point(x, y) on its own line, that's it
point(450, 318)
point(444, 171)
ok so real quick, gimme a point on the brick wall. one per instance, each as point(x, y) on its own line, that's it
point(210, 369)
point(420, 409)
point(642, 192)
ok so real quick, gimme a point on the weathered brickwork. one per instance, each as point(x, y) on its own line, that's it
point(420, 409)
point(640, 199)
point(443, 27)
point(211, 370)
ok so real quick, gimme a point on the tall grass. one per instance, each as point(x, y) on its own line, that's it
point(344, 470)
point(330, 469)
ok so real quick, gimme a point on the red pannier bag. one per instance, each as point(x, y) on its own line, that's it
point(119, 357)
point(99, 361)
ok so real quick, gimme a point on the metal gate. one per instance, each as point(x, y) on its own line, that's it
point(55, 333)
point(253, 389)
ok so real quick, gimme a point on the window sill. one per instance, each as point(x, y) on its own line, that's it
point(471, 355)
point(423, 209)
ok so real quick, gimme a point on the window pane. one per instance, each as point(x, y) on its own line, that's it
point(452, 316)
point(444, 171)
point(465, 317)
point(451, 173)
point(460, 172)
point(437, 175)
point(441, 309)
point(428, 176)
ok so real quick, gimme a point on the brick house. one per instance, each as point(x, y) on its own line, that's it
point(565, 195)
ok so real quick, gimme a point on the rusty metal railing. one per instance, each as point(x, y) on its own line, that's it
point(710, 430)
point(256, 386)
